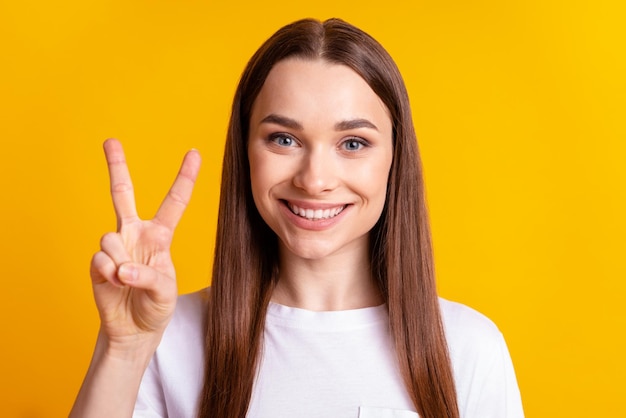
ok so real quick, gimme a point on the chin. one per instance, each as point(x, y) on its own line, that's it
point(307, 250)
point(309, 253)
point(319, 249)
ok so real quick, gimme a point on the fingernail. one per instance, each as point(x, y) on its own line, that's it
point(127, 273)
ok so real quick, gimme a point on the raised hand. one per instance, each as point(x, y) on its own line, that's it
point(134, 285)
point(134, 281)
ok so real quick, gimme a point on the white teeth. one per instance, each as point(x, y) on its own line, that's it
point(315, 214)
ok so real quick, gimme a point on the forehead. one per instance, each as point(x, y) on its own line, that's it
point(316, 90)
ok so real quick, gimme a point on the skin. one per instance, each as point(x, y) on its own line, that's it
point(340, 157)
point(320, 139)
point(134, 285)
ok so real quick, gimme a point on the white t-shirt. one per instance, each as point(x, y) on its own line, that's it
point(338, 364)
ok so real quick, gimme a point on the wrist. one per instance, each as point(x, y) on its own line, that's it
point(132, 350)
point(112, 382)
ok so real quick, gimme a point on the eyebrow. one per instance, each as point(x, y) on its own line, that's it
point(344, 125)
point(282, 121)
point(354, 124)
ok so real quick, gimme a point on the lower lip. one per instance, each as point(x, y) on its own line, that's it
point(313, 225)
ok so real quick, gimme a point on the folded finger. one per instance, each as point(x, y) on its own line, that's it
point(122, 191)
point(179, 195)
point(112, 245)
point(161, 288)
point(103, 269)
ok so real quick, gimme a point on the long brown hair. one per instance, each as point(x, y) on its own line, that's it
point(245, 266)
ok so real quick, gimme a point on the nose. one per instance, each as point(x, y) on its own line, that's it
point(317, 173)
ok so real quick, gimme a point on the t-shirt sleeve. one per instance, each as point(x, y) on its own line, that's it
point(172, 383)
point(483, 371)
point(494, 392)
point(150, 399)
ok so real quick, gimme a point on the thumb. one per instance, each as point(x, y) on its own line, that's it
point(140, 276)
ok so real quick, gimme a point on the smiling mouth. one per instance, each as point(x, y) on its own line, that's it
point(315, 214)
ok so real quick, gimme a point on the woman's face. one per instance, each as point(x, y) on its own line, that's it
point(320, 150)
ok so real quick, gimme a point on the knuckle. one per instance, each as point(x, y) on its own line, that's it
point(121, 187)
point(101, 265)
point(107, 239)
point(96, 260)
point(178, 198)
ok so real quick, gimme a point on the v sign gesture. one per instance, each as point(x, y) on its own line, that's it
point(134, 285)
point(133, 276)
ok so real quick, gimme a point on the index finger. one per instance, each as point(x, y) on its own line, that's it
point(122, 191)
point(177, 199)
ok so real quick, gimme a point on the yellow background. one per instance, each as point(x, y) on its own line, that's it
point(519, 108)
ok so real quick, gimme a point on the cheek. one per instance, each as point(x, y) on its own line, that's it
point(375, 179)
point(262, 179)
point(380, 184)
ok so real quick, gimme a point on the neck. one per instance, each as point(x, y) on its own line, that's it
point(337, 282)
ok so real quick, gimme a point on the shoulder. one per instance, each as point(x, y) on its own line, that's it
point(483, 372)
point(461, 318)
point(469, 333)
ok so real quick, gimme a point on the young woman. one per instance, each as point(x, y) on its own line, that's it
point(323, 300)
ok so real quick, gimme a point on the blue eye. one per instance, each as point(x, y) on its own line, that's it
point(282, 140)
point(354, 144)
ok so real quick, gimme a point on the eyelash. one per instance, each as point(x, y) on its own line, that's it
point(276, 138)
point(362, 143)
